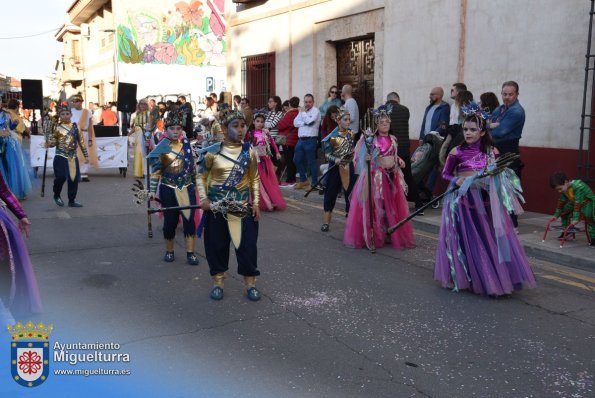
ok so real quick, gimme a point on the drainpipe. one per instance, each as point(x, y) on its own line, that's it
point(290, 50)
point(463, 22)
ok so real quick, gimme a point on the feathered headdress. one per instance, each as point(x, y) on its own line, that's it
point(175, 118)
point(228, 115)
point(382, 111)
point(342, 111)
point(63, 107)
point(473, 109)
point(260, 113)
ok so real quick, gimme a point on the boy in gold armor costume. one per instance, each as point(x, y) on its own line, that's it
point(228, 179)
point(66, 137)
point(173, 171)
point(338, 150)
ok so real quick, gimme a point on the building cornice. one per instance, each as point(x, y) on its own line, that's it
point(236, 20)
point(82, 10)
point(66, 29)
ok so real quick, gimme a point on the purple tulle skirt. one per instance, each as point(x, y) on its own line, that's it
point(478, 249)
point(389, 207)
point(271, 197)
point(18, 283)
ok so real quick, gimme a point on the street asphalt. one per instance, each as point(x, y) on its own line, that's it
point(333, 322)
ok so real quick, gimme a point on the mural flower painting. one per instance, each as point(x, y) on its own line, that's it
point(148, 54)
point(190, 33)
point(127, 49)
point(165, 53)
point(216, 22)
point(190, 53)
point(213, 49)
point(191, 12)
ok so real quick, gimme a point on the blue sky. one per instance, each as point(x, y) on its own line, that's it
point(34, 57)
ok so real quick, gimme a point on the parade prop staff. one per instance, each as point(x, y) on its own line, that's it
point(173, 175)
point(47, 124)
point(338, 150)
point(66, 137)
point(228, 179)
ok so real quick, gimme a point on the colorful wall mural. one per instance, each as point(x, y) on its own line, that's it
point(191, 33)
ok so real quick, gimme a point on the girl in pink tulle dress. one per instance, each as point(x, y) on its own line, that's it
point(261, 141)
point(389, 205)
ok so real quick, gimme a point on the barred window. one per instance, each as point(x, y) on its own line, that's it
point(258, 79)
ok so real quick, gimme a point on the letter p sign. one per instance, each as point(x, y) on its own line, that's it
point(210, 84)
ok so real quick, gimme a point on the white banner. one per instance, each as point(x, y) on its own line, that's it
point(37, 152)
point(112, 152)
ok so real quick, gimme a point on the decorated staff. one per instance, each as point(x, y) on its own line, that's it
point(227, 181)
point(368, 139)
point(338, 150)
point(496, 168)
point(47, 124)
point(66, 137)
point(378, 197)
point(173, 176)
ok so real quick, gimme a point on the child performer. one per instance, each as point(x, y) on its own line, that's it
point(13, 164)
point(387, 193)
point(228, 178)
point(66, 137)
point(478, 248)
point(18, 286)
point(261, 140)
point(173, 170)
point(338, 149)
point(576, 201)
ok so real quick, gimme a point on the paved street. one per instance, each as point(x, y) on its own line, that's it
point(333, 322)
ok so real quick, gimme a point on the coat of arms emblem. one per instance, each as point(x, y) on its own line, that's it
point(29, 349)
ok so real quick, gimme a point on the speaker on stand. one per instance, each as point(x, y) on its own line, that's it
point(32, 91)
point(126, 105)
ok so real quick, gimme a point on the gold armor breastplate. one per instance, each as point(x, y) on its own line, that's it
point(342, 145)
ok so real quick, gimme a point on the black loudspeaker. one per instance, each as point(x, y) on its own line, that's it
point(32, 94)
point(126, 97)
point(106, 131)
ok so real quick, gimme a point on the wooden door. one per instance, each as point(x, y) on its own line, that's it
point(355, 66)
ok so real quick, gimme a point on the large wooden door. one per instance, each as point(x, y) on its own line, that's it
point(355, 66)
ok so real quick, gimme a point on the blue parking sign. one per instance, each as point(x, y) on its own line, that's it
point(210, 84)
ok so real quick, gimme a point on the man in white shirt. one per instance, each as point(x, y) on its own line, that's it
point(83, 119)
point(307, 122)
point(351, 106)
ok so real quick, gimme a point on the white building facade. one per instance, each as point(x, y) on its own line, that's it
point(410, 46)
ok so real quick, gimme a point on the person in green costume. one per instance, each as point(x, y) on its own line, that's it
point(576, 203)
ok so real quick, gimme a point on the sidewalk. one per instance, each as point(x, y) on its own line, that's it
point(575, 253)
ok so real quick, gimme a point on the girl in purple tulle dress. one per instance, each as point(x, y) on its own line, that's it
point(18, 286)
point(478, 249)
